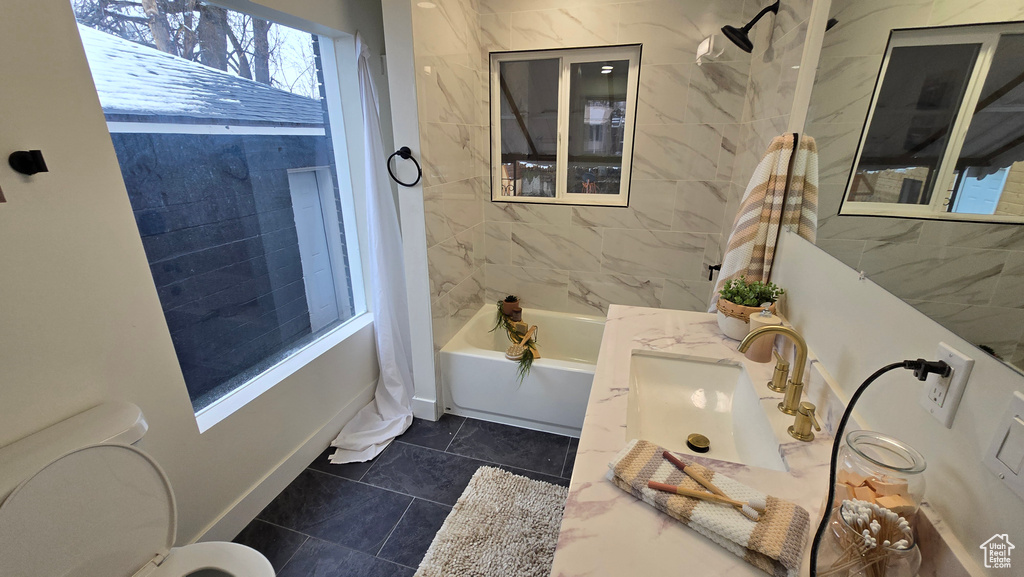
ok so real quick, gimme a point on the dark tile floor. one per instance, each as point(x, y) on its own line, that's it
point(377, 519)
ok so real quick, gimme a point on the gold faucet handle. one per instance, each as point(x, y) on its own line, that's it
point(779, 361)
point(807, 410)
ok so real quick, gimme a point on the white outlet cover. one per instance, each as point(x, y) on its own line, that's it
point(962, 365)
point(1004, 436)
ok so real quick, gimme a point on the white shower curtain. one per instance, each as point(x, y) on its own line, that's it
point(390, 412)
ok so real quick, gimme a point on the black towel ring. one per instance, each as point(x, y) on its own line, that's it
point(406, 154)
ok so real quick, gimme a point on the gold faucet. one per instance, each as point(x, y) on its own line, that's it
point(795, 386)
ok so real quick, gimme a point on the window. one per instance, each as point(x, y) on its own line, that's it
point(944, 138)
point(562, 125)
point(221, 130)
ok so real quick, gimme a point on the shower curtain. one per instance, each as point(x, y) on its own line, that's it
point(390, 412)
point(783, 191)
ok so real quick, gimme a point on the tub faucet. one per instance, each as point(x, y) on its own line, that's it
point(795, 386)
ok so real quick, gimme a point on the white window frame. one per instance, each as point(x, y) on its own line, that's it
point(985, 35)
point(567, 57)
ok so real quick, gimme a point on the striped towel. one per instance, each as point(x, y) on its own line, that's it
point(766, 206)
point(774, 544)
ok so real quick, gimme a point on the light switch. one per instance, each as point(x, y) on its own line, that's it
point(1005, 456)
point(1011, 453)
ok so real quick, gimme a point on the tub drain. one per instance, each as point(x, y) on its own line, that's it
point(698, 443)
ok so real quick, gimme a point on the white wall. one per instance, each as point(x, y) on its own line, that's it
point(855, 327)
point(80, 322)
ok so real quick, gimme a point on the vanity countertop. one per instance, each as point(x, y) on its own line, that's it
point(606, 531)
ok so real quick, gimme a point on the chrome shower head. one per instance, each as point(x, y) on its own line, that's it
point(740, 36)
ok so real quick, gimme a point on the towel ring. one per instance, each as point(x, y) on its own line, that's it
point(406, 154)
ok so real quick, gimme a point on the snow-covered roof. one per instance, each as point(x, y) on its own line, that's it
point(140, 83)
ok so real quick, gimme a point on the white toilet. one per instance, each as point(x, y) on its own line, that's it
point(103, 510)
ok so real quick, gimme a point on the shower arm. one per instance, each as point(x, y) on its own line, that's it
point(774, 8)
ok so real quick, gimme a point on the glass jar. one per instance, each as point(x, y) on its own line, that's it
point(843, 557)
point(879, 469)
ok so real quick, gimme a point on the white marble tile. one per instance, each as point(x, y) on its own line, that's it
point(973, 235)
point(892, 230)
point(1010, 287)
point(931, 273)
point(996, 327)
point(453, 94)
point(727, 157)
point(847, 251)
point(445, 30)
point(479, 245)
point(650, 207)
point(527, 212)
point(439, 322)
point(436, 224)
point(504, 6)
point(864, 25)
point(558, 28)
point(686, 295)
point(480, 156)
point(677, 151)
point(660, 254)
point(837, 144)
point(671, 29)
point(449, 156)
point(450, 262)
point(556, 247)
point(591, 293)
point(498, 242)
point(842, 89)
point(536, 287)
point(463, 207)
point(663, 93)
point(716, 92)
point(714, 251)
point(700, 206)
point(465, 300)
point(495, 35)
point(949, 12)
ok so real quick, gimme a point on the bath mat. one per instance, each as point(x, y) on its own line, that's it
point(503, 525)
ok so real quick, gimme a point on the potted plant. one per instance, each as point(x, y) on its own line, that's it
point(739, 299)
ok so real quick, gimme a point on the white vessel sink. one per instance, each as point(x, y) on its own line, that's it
point(672, 396)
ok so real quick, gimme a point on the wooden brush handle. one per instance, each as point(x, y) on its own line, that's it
point(694, 494)
point(693, 474)
point(528, 334)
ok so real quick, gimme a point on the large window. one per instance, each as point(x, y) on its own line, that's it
point(562, 125)
point(945, 135)
point(222, 133)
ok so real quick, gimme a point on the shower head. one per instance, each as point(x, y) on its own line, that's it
point(740, 36)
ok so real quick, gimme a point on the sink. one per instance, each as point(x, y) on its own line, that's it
point(672, 396)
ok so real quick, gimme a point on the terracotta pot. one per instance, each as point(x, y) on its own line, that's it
point(512, 310)
point(734, 319)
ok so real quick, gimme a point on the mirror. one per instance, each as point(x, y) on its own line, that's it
point(967, 275)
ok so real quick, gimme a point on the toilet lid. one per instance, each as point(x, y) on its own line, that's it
point(104, 511)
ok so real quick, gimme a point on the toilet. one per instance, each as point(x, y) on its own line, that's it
point(103, 510)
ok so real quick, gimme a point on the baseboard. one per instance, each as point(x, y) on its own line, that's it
point(229, 523)
point(424, 409)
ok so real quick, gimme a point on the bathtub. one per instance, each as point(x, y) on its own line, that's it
point(479, 382)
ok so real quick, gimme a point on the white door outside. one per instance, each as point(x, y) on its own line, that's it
point(314, 250)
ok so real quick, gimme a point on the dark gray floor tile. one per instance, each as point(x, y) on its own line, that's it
point(353, 471)
point(422, 472)
point(337, 510)
point(512, 446)
point(411, 539)
point(535, 476)
point(276, 543)
point(436, 435)
point(318, 558)
point(570, 458)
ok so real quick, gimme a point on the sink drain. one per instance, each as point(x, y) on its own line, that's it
point(698, 443)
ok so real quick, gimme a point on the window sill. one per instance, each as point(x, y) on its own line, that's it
point(235, 400)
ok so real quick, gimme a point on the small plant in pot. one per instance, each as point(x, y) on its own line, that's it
point(739, 299)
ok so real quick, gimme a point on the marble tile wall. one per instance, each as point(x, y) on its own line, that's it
point(655, 252)
point(966, 276)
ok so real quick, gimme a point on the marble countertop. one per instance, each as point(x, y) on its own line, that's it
point(606, 531)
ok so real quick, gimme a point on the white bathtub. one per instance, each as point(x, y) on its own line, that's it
point(480, 382)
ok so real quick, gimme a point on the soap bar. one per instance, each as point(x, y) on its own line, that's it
point(889, 487)
point(898, 504)
point(865, 494)
point(851, 478)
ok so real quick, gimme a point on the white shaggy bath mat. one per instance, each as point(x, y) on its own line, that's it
point(503, 525)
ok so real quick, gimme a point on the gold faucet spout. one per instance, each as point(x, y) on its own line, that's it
point(798, 341)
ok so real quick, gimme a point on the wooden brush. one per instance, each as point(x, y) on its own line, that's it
point(756, 506)
point(749, 510)
point(516, 351)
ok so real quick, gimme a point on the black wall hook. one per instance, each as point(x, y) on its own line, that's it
point(406, 153)
point(27, 161)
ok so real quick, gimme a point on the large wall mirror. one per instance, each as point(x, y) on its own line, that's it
point(918, 113)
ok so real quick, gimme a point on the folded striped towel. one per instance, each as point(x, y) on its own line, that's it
point(774, 544)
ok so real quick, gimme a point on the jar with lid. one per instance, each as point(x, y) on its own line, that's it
point(879, 469)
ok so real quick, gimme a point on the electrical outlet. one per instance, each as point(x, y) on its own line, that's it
point(941, 395)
